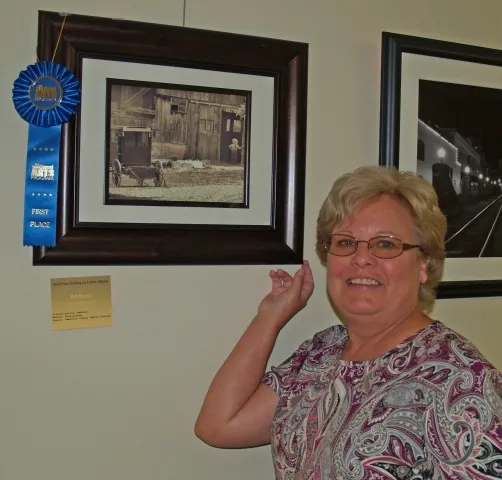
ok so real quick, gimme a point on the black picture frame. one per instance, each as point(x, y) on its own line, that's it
point(97, 243)
point(394, 46)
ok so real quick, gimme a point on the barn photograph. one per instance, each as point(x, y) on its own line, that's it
point(176, 145)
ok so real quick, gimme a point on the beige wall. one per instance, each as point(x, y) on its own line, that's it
point(119, 403)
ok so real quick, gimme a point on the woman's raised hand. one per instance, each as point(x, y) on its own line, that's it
point(289, 294)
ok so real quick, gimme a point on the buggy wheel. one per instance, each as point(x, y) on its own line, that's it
point(116, 173)
point(158, 177)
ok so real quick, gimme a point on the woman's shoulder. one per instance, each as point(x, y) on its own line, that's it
point(313, 355)
point(322, 344)
point(445, 345)
point(329, 338)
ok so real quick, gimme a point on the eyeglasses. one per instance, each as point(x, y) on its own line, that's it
point(385, 246)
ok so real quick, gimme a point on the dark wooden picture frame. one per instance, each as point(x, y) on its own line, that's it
point(97, 243)
point(394, 46)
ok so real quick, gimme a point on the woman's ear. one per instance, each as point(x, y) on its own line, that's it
point(423, 270)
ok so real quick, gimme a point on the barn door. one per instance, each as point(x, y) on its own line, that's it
point(208, 132)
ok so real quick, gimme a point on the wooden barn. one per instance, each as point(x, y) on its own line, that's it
point(186, 125)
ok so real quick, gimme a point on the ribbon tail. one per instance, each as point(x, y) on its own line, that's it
point(41, 186)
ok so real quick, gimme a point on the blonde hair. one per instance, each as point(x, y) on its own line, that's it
point(366, 184)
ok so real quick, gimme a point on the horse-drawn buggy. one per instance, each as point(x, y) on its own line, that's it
point(134, 158)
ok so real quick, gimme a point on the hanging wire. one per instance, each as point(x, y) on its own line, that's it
point(59, 38)
point(184, 10)
point(57, 43)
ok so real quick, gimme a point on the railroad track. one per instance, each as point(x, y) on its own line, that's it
point(481, 236)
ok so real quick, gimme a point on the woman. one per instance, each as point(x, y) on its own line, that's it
point(391, 394)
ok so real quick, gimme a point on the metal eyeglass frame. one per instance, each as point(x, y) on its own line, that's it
point(405, 246)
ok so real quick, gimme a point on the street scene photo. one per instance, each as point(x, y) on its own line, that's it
point(459, 151)
point(176, 145)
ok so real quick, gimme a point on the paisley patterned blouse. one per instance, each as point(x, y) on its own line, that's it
point(430, 409)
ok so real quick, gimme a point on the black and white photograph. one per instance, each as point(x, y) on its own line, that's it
point(459, 151)
point(176, 145)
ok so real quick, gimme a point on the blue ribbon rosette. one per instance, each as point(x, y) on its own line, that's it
point(45, 95)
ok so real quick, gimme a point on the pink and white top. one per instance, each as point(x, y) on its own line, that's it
point(429, 409)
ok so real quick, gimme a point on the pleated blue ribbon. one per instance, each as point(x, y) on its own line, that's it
point(45, 95)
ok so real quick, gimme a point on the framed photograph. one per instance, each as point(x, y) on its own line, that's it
point(440, 108)
point(188, 147)
point(176, 145)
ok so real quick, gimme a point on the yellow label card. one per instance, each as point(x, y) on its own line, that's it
point(81, 302)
